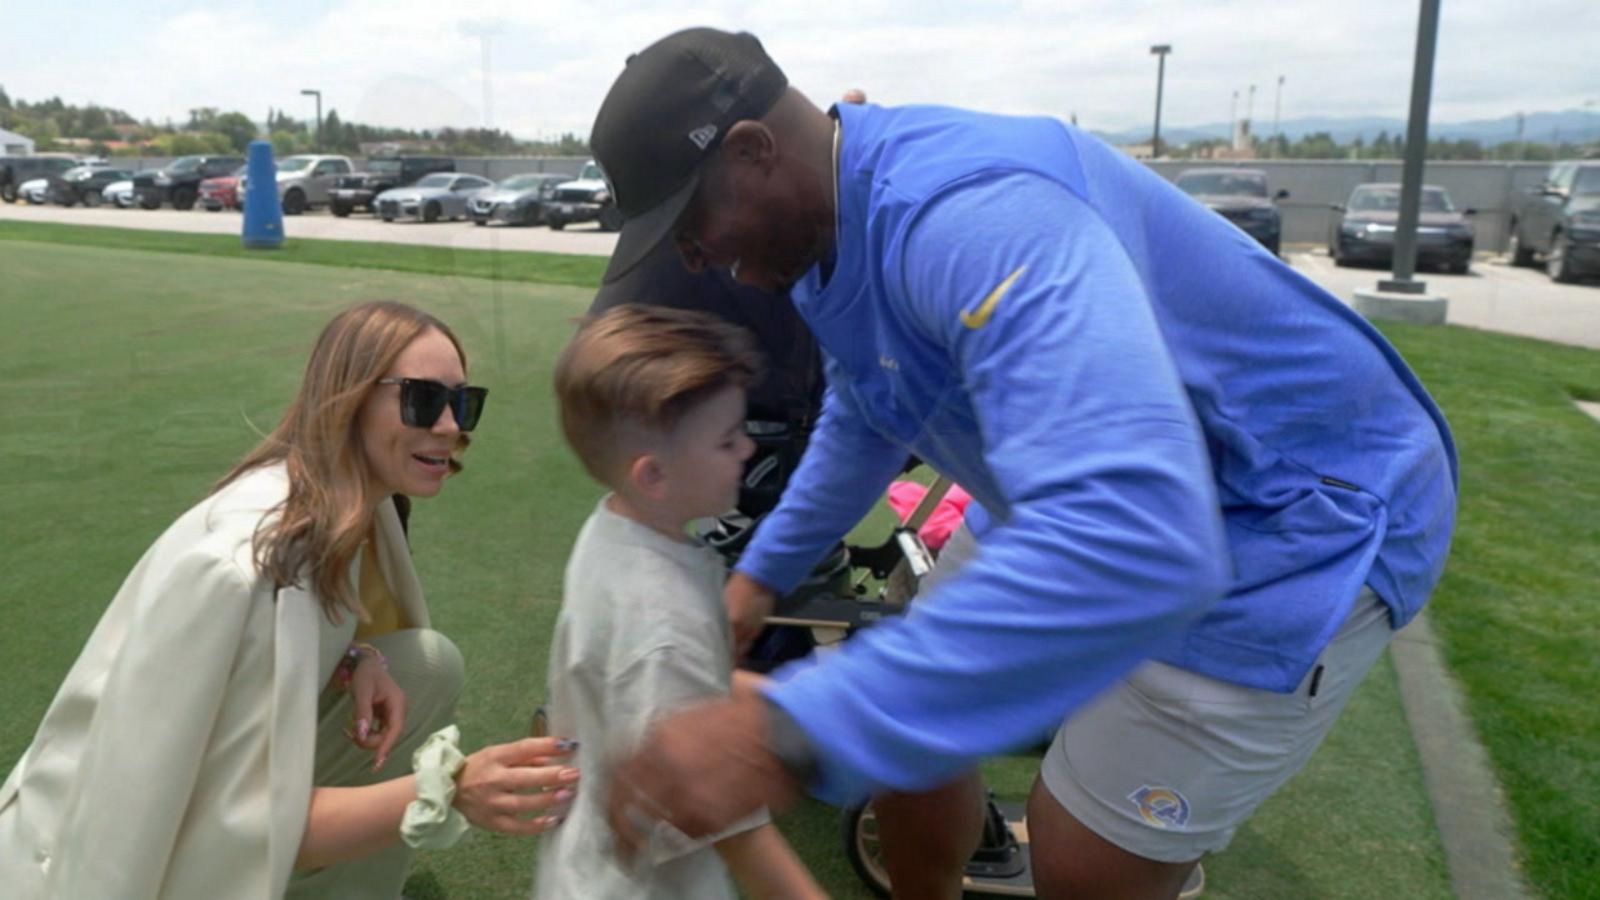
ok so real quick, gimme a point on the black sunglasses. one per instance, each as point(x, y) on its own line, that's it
point(422, 401)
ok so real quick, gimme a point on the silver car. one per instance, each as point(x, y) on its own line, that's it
point(442, 195)
point(121, 192)
point(518, 200)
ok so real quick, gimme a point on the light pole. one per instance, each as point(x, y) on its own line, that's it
point(1159, 51)
point(1233, 122)
point(317, 94)
point(1277, 107)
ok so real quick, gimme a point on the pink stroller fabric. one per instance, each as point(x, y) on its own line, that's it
point(904, 497)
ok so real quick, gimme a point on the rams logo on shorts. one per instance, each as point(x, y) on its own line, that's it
point(1162, 807)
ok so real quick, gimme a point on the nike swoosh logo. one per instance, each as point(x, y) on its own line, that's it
point(980, 316)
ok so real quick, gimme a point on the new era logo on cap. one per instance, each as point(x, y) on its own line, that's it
point(703, 136)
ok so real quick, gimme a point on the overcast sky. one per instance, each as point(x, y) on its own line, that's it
point(419, 63)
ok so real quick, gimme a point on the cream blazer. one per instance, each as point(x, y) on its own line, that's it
point(175, 761)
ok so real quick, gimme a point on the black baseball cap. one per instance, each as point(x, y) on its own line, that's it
point(667, 114)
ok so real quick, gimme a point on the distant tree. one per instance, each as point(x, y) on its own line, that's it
point(202, 118)
point(284, 143)
point(333, 133)
point(237, 128)
point(5, 99)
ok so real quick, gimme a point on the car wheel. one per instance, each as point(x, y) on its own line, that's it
point(477, 221)
point(1276, 248)
point(387, 217)
point(610, 219)
point(1555, 262)
point(557, 224)
point(1339, 259)
point(1521, 254)
point(149, 203)
point(430, 212)
point(8, 192)
point(342, 210)
point(183, 198)
point(294, 203)
point(1459, 268)
point(91, 198)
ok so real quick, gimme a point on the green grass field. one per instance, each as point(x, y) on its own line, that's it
point(133, 379)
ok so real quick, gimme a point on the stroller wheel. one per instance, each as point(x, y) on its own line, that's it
point(864, 847)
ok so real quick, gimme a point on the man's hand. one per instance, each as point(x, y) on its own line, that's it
point(749, 603)
point(700, 770)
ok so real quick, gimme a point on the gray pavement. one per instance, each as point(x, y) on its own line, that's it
point(1493, 296)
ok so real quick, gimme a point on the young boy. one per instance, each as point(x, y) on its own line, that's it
point(652, 402)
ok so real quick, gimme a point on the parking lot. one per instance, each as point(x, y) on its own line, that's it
point(1492, 296)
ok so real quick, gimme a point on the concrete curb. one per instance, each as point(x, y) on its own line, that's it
point(1473, 824)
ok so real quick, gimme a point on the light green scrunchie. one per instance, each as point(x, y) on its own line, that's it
point(431, 821)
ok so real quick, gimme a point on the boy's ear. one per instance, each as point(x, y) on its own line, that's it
point(648, 476)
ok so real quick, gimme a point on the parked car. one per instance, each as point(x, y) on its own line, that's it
point(1240, 196)
point(586, 198)
point(121, 193)
point(358, 189)
point(305, 181)
point(1364, 232)
point(179, 183)
point(84, 184)
point(518, 200)
point(34, 190)
point(1559, 221)
point(442, 195)
point(14, 170)
point(222, 192)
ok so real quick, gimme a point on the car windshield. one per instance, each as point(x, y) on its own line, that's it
point(1223, 184)
point(184, 164)
point(79, 172)
point(437, 179)
point(1387, 199)
point(384, 166)
point(522, 182)
point(294, 164)
point(1588, 183)
point(591, 172)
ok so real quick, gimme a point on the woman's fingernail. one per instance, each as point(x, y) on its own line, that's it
point(566, 746)
point(361, 729)
point(568, 775)
point(564, 795)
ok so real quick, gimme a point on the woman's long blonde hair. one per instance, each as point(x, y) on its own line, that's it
point(328, 513)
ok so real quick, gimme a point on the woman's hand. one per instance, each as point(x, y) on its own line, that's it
point(518, 788)
point(380, 709)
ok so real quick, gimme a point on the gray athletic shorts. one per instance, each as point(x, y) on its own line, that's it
point(1167, 764)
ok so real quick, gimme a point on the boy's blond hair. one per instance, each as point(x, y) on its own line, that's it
point(639, 366)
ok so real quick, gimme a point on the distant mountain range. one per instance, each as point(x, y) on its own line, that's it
point(1573, 125)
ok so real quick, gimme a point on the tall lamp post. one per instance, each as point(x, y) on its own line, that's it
point(1159, 51)
point(1402, 296)
point(1277, 107)
point(317, 94)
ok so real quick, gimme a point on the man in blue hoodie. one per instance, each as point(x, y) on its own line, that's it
point(1210, 491)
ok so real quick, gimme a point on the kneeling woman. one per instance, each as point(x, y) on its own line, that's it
point(242, 720)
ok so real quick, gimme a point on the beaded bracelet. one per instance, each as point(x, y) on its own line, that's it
point(352, 659)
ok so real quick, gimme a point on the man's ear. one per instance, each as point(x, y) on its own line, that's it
point(648, 477)
point(749, 141)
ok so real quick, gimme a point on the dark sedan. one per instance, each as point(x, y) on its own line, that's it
point(83, 185)
point(1364, 233)
point(518, 200)
point(1240, 196)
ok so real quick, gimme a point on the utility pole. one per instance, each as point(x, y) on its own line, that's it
point(1159, 51)
point(1277, 107)
point(317, 142)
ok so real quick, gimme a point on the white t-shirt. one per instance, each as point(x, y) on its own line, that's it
point(642, 631)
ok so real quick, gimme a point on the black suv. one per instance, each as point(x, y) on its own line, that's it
point(179, 182)
point(382, 173)
point(14, 170)
point(1559, 221)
